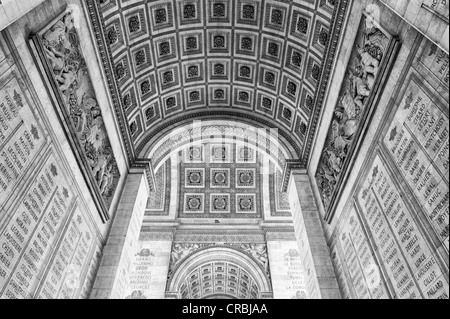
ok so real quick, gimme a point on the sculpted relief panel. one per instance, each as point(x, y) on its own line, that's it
point(369, 54)
point(60, 52)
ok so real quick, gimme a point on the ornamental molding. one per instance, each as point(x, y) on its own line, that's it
point(106, 57)
point(213, 236)
point(339, 16)
point(282, 235)
point(149, 234)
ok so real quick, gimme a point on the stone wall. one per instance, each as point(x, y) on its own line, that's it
point(388, 234)
point(10, 11)
point(114, 273)
point(51, 232)
point(429, 16)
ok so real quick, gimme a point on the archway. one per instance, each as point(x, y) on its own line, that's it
point(219, 272)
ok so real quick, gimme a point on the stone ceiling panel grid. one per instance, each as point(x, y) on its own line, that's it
point(264, 55)
point(217, 186)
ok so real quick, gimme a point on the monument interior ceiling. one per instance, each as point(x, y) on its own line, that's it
point(224, 149)
point(258, 60)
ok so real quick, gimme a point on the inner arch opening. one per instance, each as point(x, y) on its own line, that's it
point(267, 139)
point(219, 272)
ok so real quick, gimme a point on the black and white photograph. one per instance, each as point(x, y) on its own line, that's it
point(207, 150)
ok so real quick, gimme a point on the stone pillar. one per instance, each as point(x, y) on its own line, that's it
point(314, 252)
point(113, 274)
point(150, 265)
point(286, 268)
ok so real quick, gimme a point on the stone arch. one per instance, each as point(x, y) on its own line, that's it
point(263, 140)
point(286, 142)
point(194, 269)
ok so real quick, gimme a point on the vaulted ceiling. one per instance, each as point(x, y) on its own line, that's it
point(264, 61)
point(219, 278)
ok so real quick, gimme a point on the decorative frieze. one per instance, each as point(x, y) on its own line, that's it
point(280, 235)
point(370, 61)
point(58, 47)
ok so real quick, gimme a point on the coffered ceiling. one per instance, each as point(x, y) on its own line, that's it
point(218, 181)
point(219, 278)
point(263, 61)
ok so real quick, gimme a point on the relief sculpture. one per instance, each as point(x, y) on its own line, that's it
point(180, 251)
point(61, 46)
point(259, 253)
point(364, 65)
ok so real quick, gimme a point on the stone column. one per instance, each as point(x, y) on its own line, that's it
point(113, 274)
point(150, 264)
point(286, 267)
point(314, 252)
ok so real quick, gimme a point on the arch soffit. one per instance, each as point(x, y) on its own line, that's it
point(264, 140)
point(219, 254)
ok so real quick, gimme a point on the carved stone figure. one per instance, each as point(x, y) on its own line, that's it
point(97, 133)
point(334, 162)
point(55, 58)
point(181, 251)
point(259, 253)
point(359, 86)
point(67, 78)
point(106, 179)
point(369, 64)
point(99, 169)
point(57, 36)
